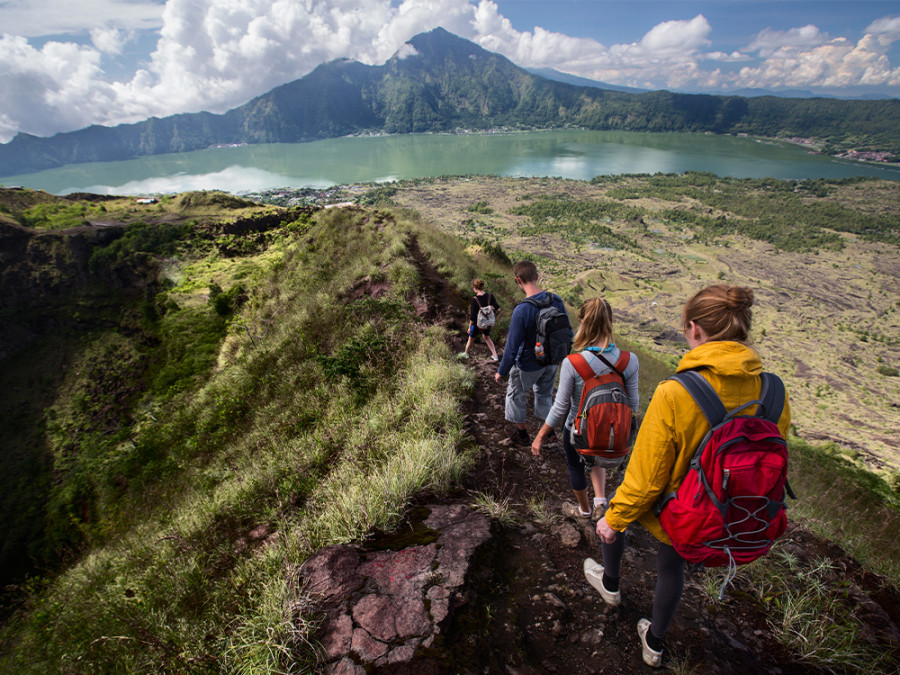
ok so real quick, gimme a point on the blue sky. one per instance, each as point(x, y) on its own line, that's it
point(65, 64)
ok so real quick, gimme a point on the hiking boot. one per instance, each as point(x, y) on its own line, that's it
point(599, 510)
point(571, 510)
point(593, 572)
point(652, 657)
point(519, 436)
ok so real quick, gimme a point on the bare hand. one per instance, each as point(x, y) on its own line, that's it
point(536, 446)
point(498, 378)
point(605, 532)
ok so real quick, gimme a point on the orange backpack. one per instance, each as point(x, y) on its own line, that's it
point(604, 426)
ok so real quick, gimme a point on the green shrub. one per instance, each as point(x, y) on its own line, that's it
point(56, 216)
point(493, 249)
point(480, 207)
point(140, 237)
point(888, 371)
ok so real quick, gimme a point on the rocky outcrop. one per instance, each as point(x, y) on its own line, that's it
point(383, 607)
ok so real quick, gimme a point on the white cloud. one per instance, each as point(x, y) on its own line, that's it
point(886, 30)
point(109, 40)
point(40, 87)
point(679, 37)
point(406, 51)
point(804, 57)
point(37, 18)
point(770, 41)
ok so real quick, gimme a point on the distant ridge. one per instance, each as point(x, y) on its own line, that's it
point(439, 83)
point(552, 74)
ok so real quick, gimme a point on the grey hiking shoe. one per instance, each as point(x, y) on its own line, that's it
point(652, 657)
point(593, 572)
point(571, 510)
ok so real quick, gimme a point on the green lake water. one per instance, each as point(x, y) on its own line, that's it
point(569, 154)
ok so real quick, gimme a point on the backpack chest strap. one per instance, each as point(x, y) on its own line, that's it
point(583, 368)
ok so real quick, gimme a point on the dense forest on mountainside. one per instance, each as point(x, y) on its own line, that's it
point(201, 393)
point(452, 84)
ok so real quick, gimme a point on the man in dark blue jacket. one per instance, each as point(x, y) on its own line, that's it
point(519, 363)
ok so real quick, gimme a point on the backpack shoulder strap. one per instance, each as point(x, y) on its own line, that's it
point(703, 394)
point(772, 397)
point(582, 367)
point(620, 366)
point(538, 303)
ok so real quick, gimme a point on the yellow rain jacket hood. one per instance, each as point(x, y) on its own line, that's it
point(674, 426)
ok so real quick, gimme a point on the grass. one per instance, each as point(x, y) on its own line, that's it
point(541, 513)
point(839, 500)
point(256, 467)
point(499, 509)
point(811, 611)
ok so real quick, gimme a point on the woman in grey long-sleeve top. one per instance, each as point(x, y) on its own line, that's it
point(594, 338)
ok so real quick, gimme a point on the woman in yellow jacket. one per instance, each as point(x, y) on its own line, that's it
point(716, 324)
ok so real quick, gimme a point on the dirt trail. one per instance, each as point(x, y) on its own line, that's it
point(535, 613)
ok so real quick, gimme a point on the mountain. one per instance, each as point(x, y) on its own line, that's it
point(551, 74)
point(442, 82)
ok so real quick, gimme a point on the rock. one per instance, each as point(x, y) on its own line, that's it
point(366, 647)
point(388, 619)
point(381, 606)
point(345, 667)
point(592, 636)
point(568, 535)
point(337, 639)
point(331, 573)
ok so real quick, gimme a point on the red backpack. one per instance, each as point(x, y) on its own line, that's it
point(730, 508)
point(604, 425)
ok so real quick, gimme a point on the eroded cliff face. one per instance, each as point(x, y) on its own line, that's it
point(42, 272)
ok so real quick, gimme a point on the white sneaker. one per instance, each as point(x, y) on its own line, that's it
point(494, 357)
point(462, 355)
point(593, 572)
point(652, 657)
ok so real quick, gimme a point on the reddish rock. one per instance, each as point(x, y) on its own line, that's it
point(336, 635)
point(439, 597)
point(401, 573)
point(345, 667)
point(368, 648)
point(387, 618)
point(374, 602)
point(332, 573)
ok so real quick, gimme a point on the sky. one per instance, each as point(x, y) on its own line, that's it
point(67, 64)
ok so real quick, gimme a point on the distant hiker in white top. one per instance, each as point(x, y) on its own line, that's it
point(483, 308)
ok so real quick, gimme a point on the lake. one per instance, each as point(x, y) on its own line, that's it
point(568, 154)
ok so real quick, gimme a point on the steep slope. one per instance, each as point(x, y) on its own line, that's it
point(440, 82)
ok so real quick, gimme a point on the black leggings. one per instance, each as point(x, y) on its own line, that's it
point(669, 580)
